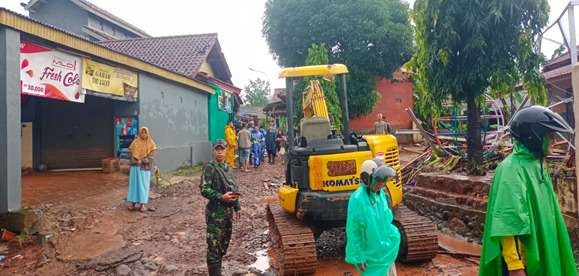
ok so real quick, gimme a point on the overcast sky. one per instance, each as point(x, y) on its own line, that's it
point(237, 22)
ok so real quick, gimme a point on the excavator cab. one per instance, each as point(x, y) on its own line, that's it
point(323, 169)
point(315, 126)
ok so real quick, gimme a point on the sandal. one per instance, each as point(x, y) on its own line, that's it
point(132, 207)
point(143, 208)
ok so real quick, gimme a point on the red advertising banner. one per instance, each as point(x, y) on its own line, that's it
point(49, 73)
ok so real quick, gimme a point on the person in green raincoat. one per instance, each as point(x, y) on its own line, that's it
point(524, 230)
point(372, 240)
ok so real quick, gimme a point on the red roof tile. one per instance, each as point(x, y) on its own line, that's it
point(278, 95)
point(181, 54)
point(559, 61)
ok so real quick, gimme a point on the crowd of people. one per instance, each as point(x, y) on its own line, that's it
point(251, 144)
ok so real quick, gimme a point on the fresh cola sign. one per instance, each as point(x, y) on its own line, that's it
point(51, 74)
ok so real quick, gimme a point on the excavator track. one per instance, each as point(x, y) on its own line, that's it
point(419, 241)
point(294, 246)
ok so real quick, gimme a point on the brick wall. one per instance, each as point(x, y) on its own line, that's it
point(393, 98)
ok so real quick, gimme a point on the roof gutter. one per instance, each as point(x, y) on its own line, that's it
point(219, 85)
point(30, 4)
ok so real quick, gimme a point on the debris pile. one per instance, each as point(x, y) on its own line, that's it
point(449, 154)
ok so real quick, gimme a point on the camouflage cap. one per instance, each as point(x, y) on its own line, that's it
point(220, 143)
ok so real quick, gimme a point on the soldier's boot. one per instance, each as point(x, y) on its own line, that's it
point(214, 269)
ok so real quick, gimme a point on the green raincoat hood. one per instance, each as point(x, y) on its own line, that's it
point(522, 203)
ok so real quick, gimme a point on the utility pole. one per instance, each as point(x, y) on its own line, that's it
point(575, 85)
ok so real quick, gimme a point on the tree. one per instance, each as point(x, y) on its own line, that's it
point(372, 37)
point(466, 48)
point(257, 92)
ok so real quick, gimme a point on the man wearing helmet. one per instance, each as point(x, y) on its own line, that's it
point(372, 240)
point(524, 230)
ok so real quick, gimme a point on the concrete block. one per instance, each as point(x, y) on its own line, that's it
point(110, 165)
point(26, 220)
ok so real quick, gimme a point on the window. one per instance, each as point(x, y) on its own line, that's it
point(119, 35)
point(225, 102)
point(95, 23)
point(107, 28)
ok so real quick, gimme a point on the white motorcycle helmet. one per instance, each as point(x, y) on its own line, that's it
point(372, 172)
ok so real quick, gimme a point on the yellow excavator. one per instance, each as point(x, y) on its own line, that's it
point(323, 169)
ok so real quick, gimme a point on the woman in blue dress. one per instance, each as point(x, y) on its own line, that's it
point(256, 140)
point(142, 149)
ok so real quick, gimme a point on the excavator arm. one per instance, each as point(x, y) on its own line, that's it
point(314, 101)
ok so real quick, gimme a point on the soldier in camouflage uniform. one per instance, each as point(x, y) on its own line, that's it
point(218, 186)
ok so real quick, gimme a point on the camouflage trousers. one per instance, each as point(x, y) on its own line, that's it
point(219, 225)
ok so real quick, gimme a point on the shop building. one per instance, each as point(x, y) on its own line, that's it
point(67, 102)
point(198, 57)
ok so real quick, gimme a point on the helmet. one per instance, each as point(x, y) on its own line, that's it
point(379, 161)
point(530, 125)
point(383, 173)
point(367, 170)
point(373, 171)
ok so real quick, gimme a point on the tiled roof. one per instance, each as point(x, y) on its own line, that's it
point(559, 61)
point(181, 54)
point(251, 110)
point(278, 95)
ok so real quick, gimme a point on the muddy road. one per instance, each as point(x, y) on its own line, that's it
point(94, 234)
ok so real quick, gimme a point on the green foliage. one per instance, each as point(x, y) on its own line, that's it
point(256, 93)
point(361, 103)
point(372, 37)
point(166, 180)
point(559, 51)
point(297, 97)
point(24, 237)
point(282, 123)
point(466, 48)
point(187, 170)
point(263, 123)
